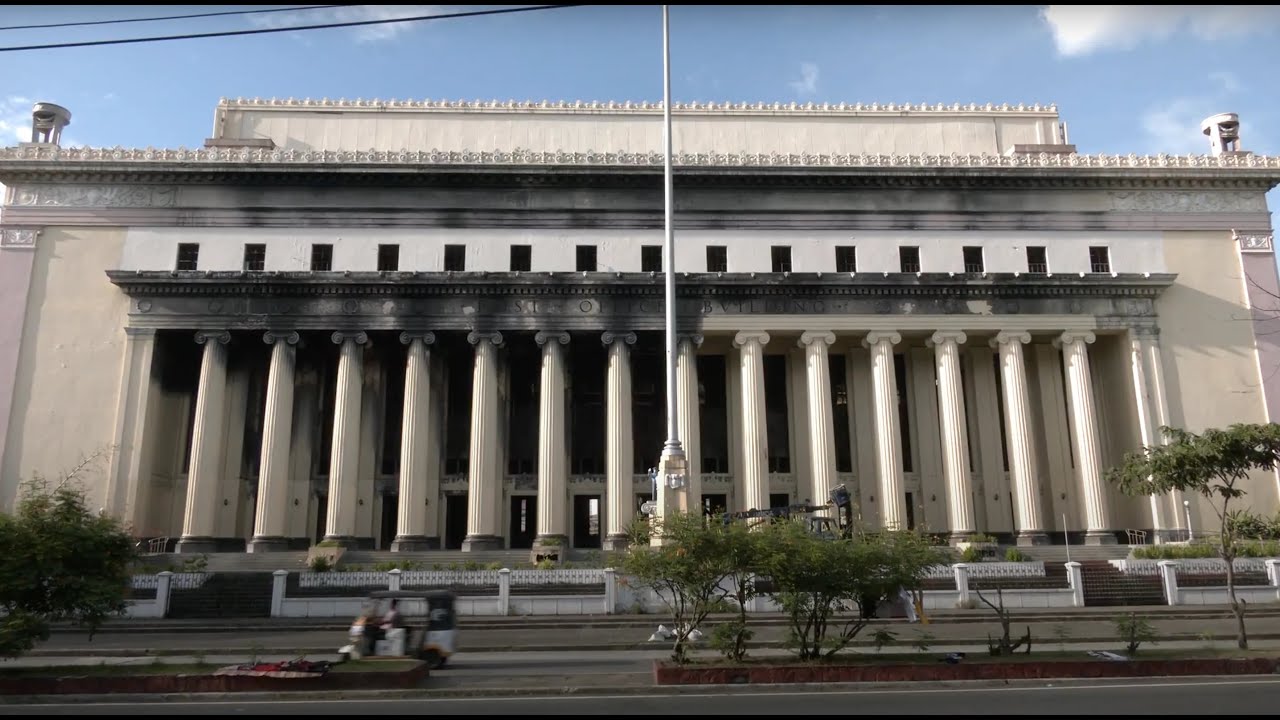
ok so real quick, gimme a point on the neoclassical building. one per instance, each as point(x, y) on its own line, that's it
point(413, 325)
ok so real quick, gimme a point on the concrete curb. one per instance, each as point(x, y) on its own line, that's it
point(543, 691)
point(581, 647)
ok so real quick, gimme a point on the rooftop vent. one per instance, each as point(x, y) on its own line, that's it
point(47, 121)
point(1223, 130)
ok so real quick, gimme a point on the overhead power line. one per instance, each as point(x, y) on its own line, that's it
point(170, 17)
point(296, 28)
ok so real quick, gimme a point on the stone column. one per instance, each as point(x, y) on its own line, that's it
point(1160, 406)
point(419, 470)
point(1017, 420)
point(1085, 425)
point(619, 441)
point(669, 501)
point(755, 440)
point(553, 479)
point(822, 438)
point(484, 481)
point(129, 478)
point(344, 457)
point(884, 382)
point(955, 438)
point(1147, 427)
point(199, 520)
point(270, 527)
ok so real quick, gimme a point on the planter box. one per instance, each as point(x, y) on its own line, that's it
point(666, 673)
point(209, 683)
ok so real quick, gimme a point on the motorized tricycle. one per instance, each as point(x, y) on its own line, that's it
point(424, 627)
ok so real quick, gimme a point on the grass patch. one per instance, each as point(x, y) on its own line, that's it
point(932, 658)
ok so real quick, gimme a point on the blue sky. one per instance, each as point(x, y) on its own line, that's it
point(1125, 78)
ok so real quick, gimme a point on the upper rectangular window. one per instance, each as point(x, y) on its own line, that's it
point(780, 257)
point(1037, 260)
point(455, 258)
point(585, 258)
point(909, 259)
point(973, 262)
point(188, 256)
point(321, 257)
point(388, 258)
point(255, 257)
point(521, 258)
point(846, 258)
point(717, 258)
point(1099, 259)
point(650, 258)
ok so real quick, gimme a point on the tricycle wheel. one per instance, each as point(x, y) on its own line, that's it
point(433, 658)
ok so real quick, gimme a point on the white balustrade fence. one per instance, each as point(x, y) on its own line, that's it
point(1174, 595)
point(185, 581)
point(1190, 566)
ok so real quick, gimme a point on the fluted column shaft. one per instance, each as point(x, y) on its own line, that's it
point(553, 480)
point(1160, 407)
point(272, 518)
point(1147, 427)
point(344, 457)
point(822, 439)
point(619, 442)
point(687, 413)
point(755, 440)
point(954, 428)
point(1022, 458)
point(1085, 423)
point(417, 516)
point(884, 382)
point(206, 445)
point(484, 488)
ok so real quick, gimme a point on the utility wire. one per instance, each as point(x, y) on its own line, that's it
point(170, 17)
point(285, 29)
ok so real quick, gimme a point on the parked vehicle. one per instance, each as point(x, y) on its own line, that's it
point(423, 626)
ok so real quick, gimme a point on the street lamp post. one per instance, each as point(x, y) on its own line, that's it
point(672, 473)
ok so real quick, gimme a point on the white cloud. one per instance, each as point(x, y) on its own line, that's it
point(353, 13)
point(1082, 29)
point(1175, 127)
point(808, 82)
point(15, 120)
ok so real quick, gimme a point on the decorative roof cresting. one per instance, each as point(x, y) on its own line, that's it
point(633, 105)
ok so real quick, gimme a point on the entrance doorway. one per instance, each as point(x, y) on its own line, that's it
point(390, 516)
point(714, 504)
point(586, 521)
point(778, 500)
point(322, 515)
point(524, 521)
point(911, 511)
point(455, 521)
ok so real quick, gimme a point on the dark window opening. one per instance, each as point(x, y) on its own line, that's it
point(846, 259)
point(651, 258)
point(904, 410)
point(1099, 260)
point(388, 258)
point(909, 258)
point(455, 258)
point(1037, 260)
point(777, 429)
point(713, 413)
point(521, 258)
point(973, 262)
point(586, 259)
point(255, 257)
point(321, 258)
point(840, 413)
point(780, 255)
point(188, 256)
point(717, 258)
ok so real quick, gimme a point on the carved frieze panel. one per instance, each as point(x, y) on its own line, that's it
point(24, 238)
point(1255, 242)
point(1180, 201)
point(112, 196)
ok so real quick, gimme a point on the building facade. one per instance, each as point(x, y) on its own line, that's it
point(413, 325)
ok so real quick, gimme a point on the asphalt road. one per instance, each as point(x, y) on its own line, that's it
point(1238, 697)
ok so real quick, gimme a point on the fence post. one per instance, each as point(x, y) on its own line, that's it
point(610, 591)
point(1273, 571)
point(164, 581)
point(278, 580)
point(1169, 578)
point(1075, 578)
point(504, 591)
point(393, 579)
point(961, 571)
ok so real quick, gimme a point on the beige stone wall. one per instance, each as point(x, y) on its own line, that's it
point(69, 369)
point(1209, 349)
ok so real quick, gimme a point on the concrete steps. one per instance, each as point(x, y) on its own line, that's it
point(1104, 585)
point(223, 595)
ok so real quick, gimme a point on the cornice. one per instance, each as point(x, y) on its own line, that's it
point(642, 107)
point(516, 285)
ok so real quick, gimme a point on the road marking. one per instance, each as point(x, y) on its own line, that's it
point(581, 696)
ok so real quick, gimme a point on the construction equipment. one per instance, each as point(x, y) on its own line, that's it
point(841, 526)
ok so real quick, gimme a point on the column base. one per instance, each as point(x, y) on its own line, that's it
point(346, 542)
point(1027, 538)
point(960, 536)
point(414, 543)
point(474, 543)
point(616, 543)
point(550, 547)
point(268, 544)
point(1099, 537)
point(196, 545)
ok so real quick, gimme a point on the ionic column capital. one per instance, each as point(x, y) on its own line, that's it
point(271, 337)
point(944, 336)
point(426, 336)
point(495, 338)
point(340, 336)
point(753, 336)
point(1073, 336)
point(817, 336)
point(1005, 337)
point(695, 338)
point(222, 337)
point(609, 337)
point(879, 336)
point(542, 337)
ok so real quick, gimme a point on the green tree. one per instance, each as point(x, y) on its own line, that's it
point(743, 553)
point(59, 562)
point(1211, 464)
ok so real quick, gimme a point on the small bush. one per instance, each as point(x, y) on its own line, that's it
point(1013, 554)
point(1134, 631)
point(971, 554)
point(320, 563)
